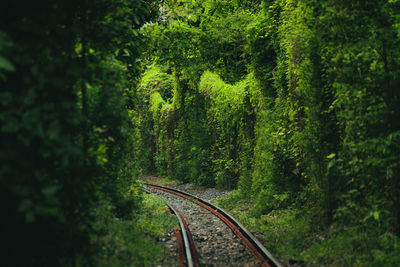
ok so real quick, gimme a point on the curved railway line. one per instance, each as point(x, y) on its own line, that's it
point(186, 248)
point(257, 250)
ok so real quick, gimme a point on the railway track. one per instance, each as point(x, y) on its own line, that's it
point(260, 255)
point(187, 254)
point(186, 248)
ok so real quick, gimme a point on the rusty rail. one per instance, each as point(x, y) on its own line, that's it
point(187, 253)
point(249, 240)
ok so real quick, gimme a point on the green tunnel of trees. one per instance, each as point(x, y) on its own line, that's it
point(290, 102)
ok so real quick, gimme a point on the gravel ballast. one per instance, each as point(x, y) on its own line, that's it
point(215, 242)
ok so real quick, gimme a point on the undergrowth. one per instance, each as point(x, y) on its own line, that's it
point(122, 242)
point(293, 237)
point(154, 219)
point(168, 181)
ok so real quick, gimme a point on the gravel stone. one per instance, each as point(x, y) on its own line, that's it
point(215, 242)
point(170, 250)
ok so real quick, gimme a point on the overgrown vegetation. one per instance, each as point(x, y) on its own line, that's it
point(131, 242)
point(292, 103)
point(68, 70)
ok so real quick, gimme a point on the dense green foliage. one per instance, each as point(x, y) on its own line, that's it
point(122, 242)
point(67, 74)
point(293, 102)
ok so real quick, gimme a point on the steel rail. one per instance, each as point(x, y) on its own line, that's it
point(186, 243)
point(250, 241)
point(190, 260)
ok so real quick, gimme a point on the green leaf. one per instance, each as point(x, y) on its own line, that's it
point(6, 65)
point(331, 156)
point(135, 18)
point(127, 53)
point(50, 190)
